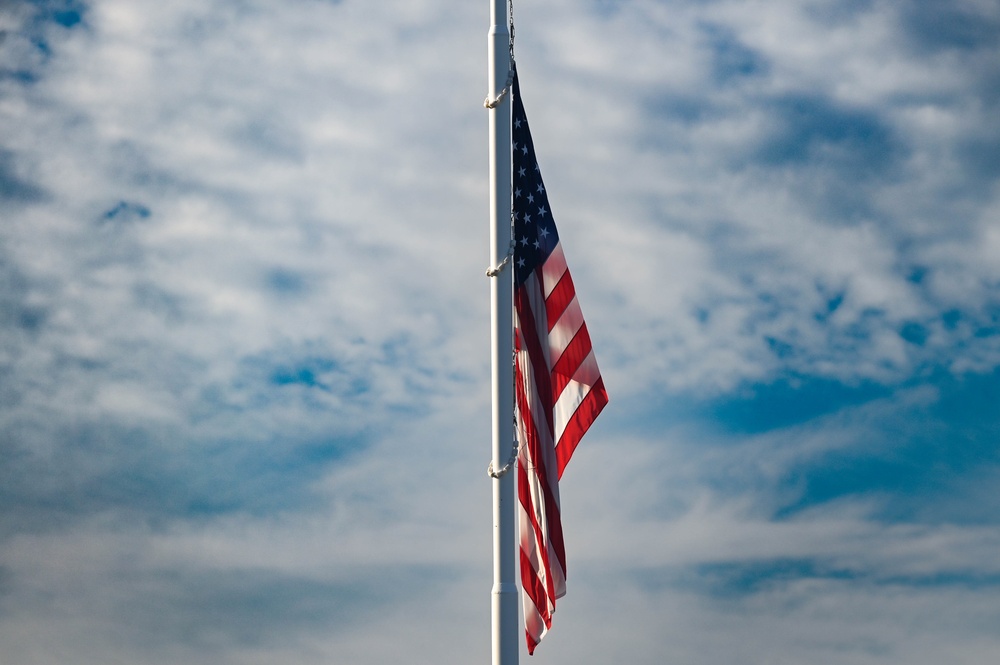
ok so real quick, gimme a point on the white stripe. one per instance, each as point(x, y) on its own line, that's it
point(553, 268)
point(564, 330)
point(570, 400)
point(588, 372)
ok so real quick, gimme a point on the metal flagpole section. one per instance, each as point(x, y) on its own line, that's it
point(505, 616)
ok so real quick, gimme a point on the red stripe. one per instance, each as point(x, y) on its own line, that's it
point(552, 270)
point(576, 352)
point(581, 421)
point(561, 296)
point(532, 643)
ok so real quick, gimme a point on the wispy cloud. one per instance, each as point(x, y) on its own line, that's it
point(244, 328)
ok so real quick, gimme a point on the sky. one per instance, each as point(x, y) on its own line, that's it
point(244, 329)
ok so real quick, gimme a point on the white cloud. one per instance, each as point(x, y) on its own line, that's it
point(245, 328)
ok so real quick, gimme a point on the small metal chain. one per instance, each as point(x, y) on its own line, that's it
point(510, 27)
point(497, 269)
point(515, 449)
point(503, 93)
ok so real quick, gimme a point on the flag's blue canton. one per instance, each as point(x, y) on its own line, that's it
point(535, 233)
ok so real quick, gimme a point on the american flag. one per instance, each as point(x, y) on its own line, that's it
point(559, 388)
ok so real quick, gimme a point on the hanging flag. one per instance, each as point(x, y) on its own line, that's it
point(559, 388)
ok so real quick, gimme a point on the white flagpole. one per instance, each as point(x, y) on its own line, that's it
point(505, 616)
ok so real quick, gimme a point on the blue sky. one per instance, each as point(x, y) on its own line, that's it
point(244, 375)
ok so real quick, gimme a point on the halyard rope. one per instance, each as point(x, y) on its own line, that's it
point(496, 270)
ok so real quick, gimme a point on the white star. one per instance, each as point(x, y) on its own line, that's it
point(542, 211)
point(517, 192)
point(537, 245)
point(524, 150)
point(531, 198)
point(520, 172)
point(527, 219)
point(540, 188)
point(517, 123)
point(524, 240)
point(544, 232)
point(536, 166)
point(520, 262)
